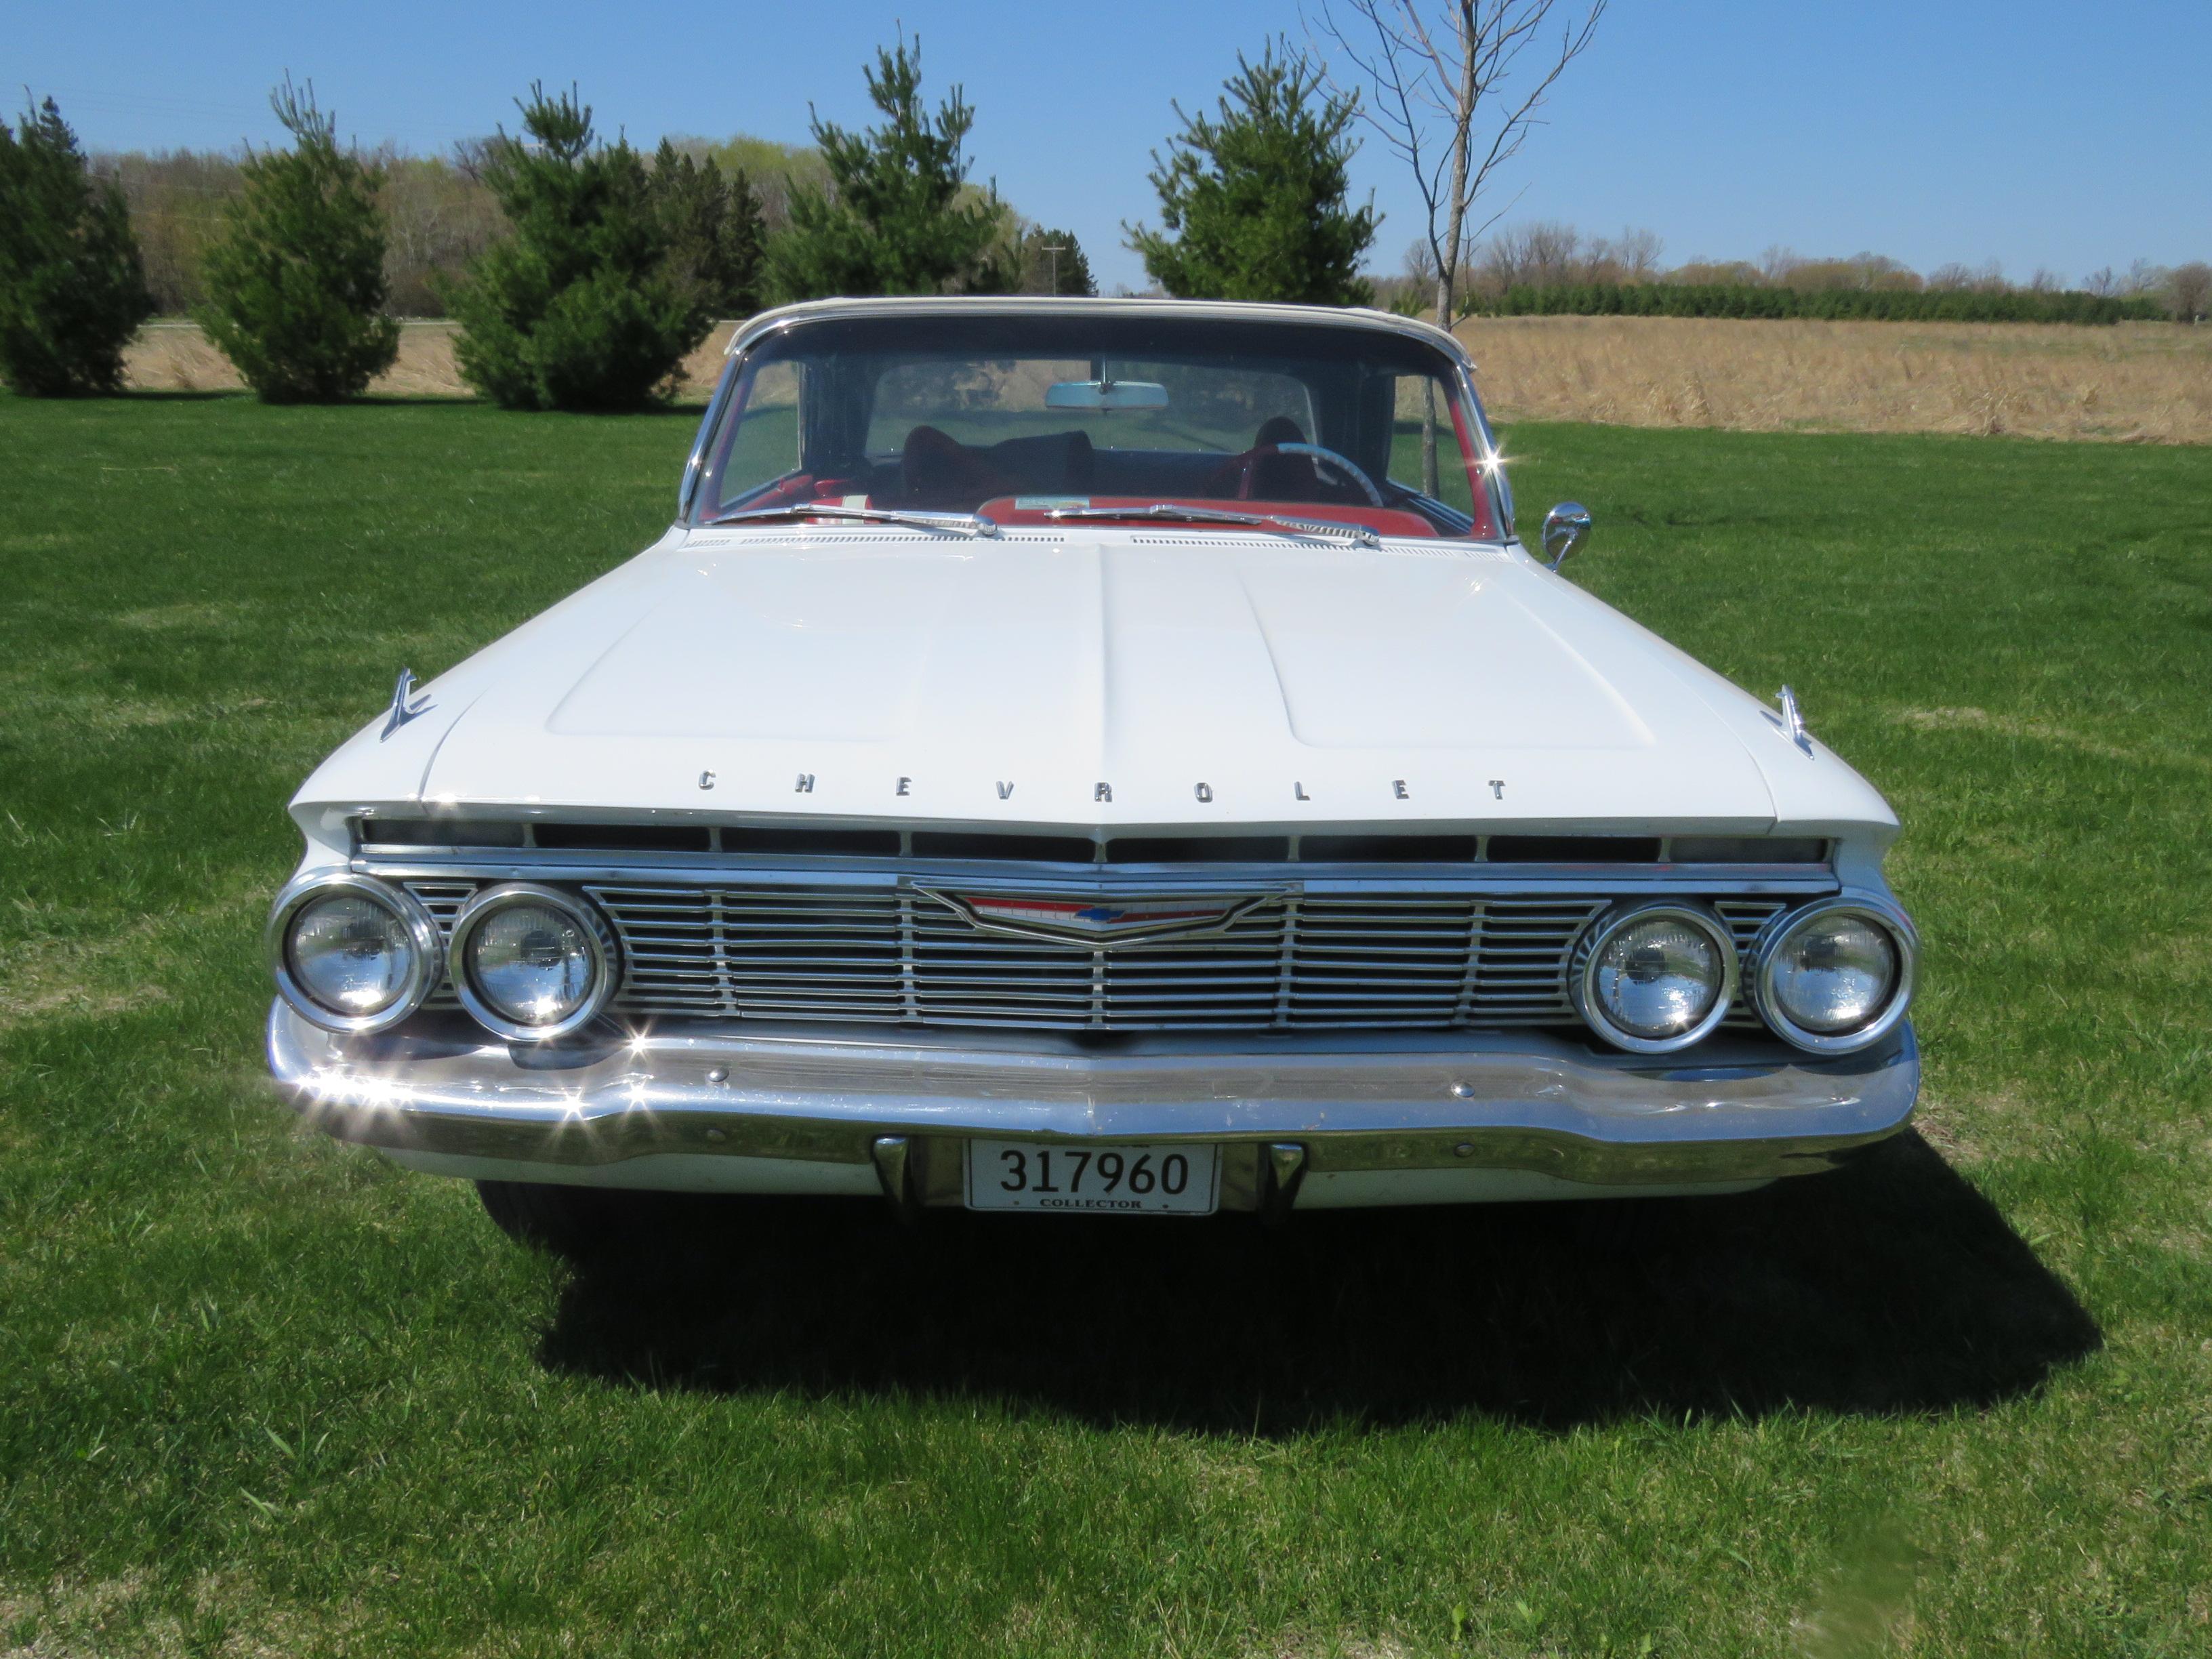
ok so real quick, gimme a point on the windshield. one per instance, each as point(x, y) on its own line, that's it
point(1043, 418)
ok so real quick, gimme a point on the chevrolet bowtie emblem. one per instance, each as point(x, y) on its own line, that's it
point(1097, 920)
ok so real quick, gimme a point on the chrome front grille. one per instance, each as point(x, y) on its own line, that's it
point(895, 953)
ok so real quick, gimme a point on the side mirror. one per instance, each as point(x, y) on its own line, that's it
point(1566, 527)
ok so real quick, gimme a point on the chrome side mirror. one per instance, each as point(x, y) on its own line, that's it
point(1566, 527)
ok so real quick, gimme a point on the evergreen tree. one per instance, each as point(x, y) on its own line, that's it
point(296, 281)
point(712, 224)
point(1044, 271)
point(578, 308)
point(1257, 195)
point(897, 218)
point(72, 286)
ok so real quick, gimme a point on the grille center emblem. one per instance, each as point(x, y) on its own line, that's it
point(1097, 920)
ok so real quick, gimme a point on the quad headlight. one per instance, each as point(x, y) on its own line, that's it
point(530, 963)
point(1651, 978)
point(352, 954)
point(1836, 975)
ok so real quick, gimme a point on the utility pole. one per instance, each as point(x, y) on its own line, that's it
point(1055, 249)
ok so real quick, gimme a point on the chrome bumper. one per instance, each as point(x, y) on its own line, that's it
point(1354, 1104)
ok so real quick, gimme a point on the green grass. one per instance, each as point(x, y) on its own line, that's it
point(261, 1393)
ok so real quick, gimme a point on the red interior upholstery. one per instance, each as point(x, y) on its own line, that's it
point(936, 469)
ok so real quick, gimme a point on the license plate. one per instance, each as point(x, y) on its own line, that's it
point(1024, 1174)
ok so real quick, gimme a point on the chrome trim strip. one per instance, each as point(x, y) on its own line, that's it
point(776, 321)
point(1493, 458)
point(1523, 1101)
point(422, 932)
point(1479, 878)
point(694, 464)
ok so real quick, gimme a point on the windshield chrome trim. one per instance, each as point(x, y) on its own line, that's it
point(768, 324)
point(694, 465)
point(1377, 322)
point(1171, 512)
point(960, 523)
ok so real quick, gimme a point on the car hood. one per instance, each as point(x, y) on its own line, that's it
point(1116, 678)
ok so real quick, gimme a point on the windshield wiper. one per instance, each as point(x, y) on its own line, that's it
point(1357, 533)
point(957, 524)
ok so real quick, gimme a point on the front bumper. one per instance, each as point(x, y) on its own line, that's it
point(1374, 1117)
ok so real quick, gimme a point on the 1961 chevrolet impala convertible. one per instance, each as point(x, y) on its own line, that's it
point(1099, 756)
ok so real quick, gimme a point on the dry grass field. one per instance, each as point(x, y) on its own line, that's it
point(175, 356)
point(2137, 382)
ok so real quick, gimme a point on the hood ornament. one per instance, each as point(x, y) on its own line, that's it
point(405, 705)
point(1100, 922)
point(1792, 721)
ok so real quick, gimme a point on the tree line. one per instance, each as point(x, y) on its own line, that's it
point(584, 271)
point(1548, 269)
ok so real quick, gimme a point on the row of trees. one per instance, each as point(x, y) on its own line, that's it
point(1894, 305)
point(611, 266)
point(1547, 268)
point(608, 268)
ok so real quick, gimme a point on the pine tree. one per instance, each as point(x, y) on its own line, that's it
point(712, 224)
point(897, 218)
point(72, 286)
point(578, 308)
point(1044, 270)
point(296, 281)
point(1257, 193)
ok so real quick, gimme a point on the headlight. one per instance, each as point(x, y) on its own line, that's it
point(351, 954)
point(532, 963)
point(1837, 975)
point(1655, 977)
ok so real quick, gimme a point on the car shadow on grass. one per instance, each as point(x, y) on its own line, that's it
point(1892, 1286)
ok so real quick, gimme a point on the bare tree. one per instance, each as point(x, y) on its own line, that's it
point(2190, 287)
point(1635, 255)
point(1452, 86)
point(2142, 277)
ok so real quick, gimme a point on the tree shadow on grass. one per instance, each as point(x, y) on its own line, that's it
point(1892, 1286)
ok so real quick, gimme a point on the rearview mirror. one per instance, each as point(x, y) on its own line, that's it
point(1566, 527)
point(1104, 395)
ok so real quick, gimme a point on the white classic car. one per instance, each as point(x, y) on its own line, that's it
point(1093, 756)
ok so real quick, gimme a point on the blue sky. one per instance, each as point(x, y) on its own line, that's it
point(2032, 133)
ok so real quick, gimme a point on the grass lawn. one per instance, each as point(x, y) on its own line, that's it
point(262, 1393)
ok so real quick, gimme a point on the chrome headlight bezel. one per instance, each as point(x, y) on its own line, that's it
point(429, 950)
point(1583, 992)
point(1885, 914)
point(599, 937)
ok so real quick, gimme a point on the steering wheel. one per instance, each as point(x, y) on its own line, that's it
point(1248, 468)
